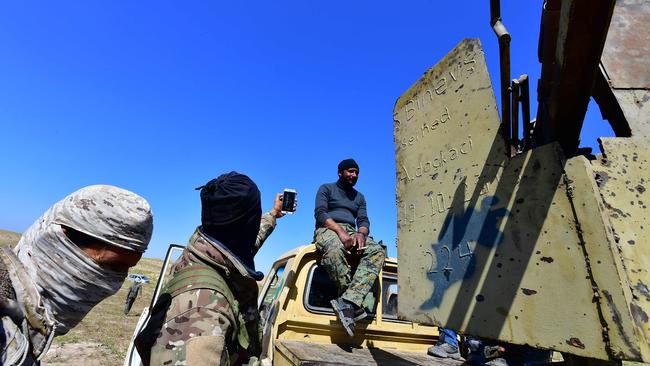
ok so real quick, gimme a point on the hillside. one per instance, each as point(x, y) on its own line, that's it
point(8, 238)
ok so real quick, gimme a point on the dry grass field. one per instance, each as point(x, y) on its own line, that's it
point(8, 238)
point(103, 336)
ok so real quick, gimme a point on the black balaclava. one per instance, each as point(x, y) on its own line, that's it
point(345, 165)
point(231, 212)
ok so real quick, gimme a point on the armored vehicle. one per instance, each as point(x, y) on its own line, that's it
point(509, 229)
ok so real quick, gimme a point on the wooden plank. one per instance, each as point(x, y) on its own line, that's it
point(303, 353)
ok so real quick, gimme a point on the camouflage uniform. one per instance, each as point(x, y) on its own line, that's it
point(335, 258)
point(26, 326)
point(202, 326)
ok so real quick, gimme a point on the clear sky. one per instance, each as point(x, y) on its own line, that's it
point(158, 97)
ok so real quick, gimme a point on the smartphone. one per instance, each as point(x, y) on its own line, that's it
point(288, 200)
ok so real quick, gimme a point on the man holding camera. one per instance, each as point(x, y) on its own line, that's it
point(207, 312)
point(342, 229)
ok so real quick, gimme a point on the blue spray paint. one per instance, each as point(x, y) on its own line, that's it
point(462, 232)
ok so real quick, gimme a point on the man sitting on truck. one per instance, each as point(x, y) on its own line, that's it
point(207, 312)
point(342, 229)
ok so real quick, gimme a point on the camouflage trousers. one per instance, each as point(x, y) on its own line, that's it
point(354, 287)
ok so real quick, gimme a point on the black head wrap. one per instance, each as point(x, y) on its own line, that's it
point(231, 212)
point(347, 164)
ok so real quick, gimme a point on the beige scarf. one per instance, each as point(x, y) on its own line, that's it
point(69, 281)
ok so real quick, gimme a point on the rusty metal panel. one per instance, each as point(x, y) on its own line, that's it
point(635, 105)
point(625, 57)
point(623, 178)
point(446, 125)
point(580, 39)
point(487, 245)
point(604, 263)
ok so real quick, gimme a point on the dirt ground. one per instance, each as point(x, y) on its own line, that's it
point(83, 353)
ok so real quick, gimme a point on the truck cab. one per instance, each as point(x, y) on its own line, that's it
point(300, 327)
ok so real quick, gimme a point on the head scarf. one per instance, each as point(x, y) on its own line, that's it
point(231, 212)
point(347, 164)
point(69, 281)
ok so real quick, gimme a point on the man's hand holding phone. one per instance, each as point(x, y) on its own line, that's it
point(289, 201)
point(285, 202)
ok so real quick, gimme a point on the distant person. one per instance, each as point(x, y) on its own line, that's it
point(207, 313)
point(342, 229)
point(134, 291)
point(74, 256)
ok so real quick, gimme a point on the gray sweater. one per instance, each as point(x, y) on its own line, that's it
point(342, 206)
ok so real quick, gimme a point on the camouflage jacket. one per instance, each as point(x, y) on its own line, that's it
point(266, 228)
point(26, 327)
point(201, 326)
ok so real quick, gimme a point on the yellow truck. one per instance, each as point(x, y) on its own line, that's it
point(300, 328)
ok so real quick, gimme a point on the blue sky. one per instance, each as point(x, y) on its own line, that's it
point(159, 97)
